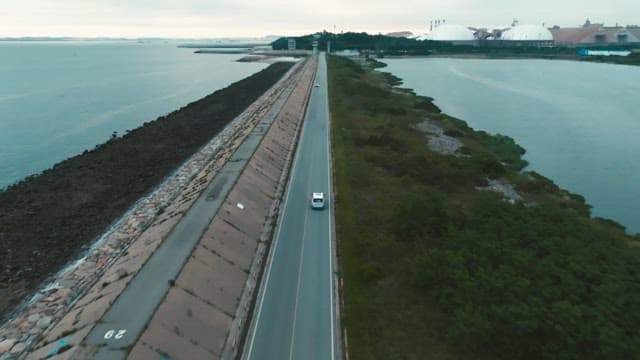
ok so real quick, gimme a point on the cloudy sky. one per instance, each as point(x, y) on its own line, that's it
point(244, 18)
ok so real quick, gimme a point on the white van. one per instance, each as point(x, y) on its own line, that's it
point(317, 201)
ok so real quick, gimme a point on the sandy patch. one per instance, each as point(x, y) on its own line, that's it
point(437, 140)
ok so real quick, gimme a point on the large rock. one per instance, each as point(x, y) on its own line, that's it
point(44, 322)
point(6, 345)
point(18, 348)
point(33, 318)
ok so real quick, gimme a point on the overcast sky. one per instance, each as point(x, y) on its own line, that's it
point(243, 18)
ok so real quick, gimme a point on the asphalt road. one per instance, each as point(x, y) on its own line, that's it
point(294, 317)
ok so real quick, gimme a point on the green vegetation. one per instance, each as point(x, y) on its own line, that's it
point(435, 269)
point(504, 146)
point(376, 44)
point(633, 59)
point(381, 46)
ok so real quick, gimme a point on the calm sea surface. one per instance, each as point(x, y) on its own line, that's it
point(58, 99)
point(579, 122)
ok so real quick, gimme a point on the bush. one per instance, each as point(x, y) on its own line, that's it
point(454, 133)
point(533, 283)
point(505, 147)
point(538, 184)
point(419, 217)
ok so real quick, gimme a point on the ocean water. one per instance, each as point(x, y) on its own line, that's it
point(579, 122)
point(58, 99)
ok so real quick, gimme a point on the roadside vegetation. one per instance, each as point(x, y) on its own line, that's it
point(633, 59)
point(434, 268)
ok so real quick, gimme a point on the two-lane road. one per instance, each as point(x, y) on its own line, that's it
point(294, 316)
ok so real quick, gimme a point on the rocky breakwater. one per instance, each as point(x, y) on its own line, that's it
point(160, 209)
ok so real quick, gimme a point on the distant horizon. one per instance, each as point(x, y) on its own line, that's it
point(256, 37)
point(71, 37)
point(200, 19)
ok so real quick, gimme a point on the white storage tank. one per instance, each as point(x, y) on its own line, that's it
point(451, 32)
point(527, 33)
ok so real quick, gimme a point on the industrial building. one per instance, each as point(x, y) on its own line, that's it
point(523, 35)
point(534, 35)
point(291, 44)
point(528, 34)
point(596, 34)
point(454, 33)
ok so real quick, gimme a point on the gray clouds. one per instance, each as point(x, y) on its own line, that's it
point(216, 18)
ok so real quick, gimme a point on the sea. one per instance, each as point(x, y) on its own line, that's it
point(58, 99)
point(579, 122)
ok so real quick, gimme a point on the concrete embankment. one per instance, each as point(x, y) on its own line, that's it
point(209, 296)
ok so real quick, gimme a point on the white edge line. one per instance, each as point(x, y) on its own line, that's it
point(326, 86)
point(275, 244)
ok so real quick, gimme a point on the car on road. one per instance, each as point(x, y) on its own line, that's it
point(316, 85)
point(317, 201)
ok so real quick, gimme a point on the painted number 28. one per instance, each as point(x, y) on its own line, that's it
point(114, 334)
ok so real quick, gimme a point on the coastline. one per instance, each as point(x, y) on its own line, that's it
point(631, 60)
point(500, 97)
point(479, 56)
point(393, 80)
point(48, 219)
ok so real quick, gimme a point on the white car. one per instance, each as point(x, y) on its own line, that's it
point(316, 85)
point(317, 201)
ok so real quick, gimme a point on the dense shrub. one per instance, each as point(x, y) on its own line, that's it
point(435, 269)
point(505, 147)
point(534, 283)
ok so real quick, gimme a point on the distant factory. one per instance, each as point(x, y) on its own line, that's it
point(595, 34)
point(517, 34)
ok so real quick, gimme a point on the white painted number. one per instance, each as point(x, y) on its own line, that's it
point(119, 334)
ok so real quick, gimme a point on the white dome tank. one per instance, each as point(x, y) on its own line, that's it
point(527, 33)
point(451, 32)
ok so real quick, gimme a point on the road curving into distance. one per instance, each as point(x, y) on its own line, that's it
point(295, 312)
